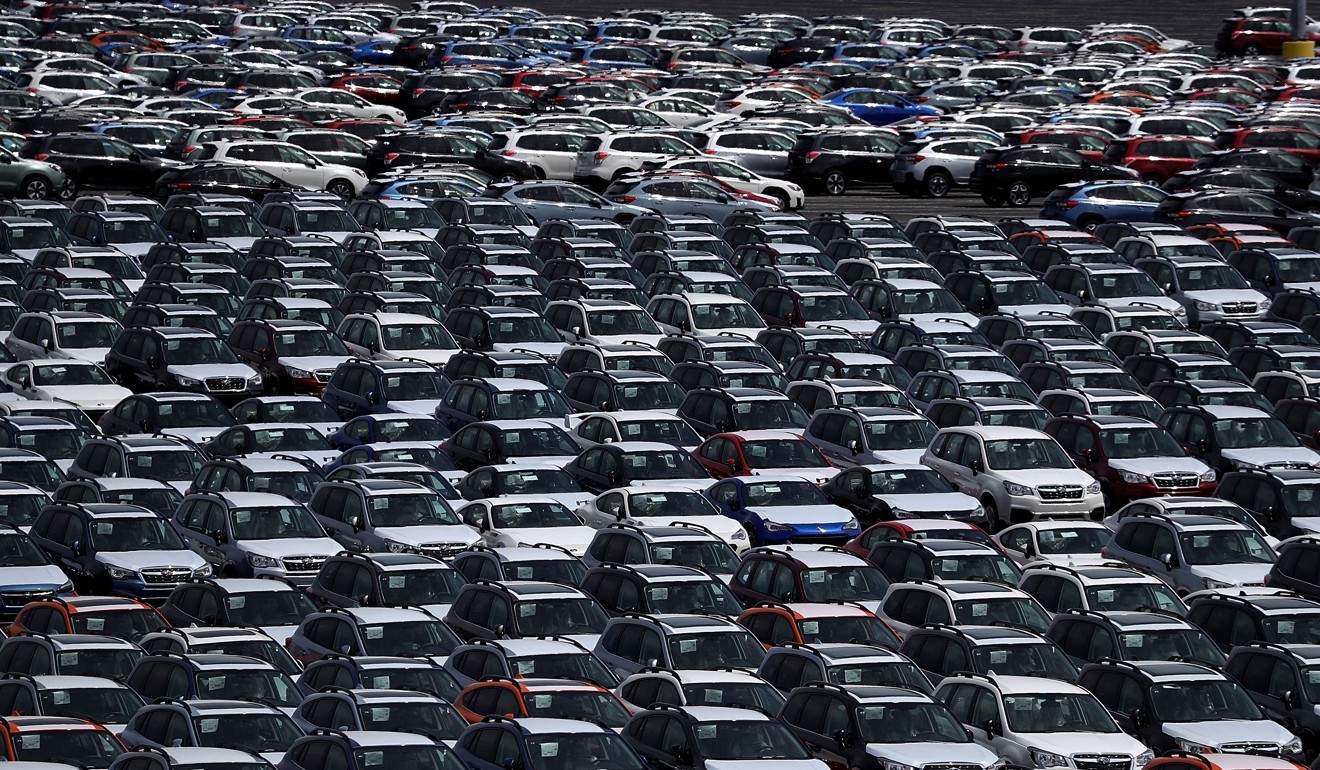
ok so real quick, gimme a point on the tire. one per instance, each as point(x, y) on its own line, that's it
point(35, 188)
point(1152, 180)
point(994, 199)
point(1251, 49)
point(68, 192)
point(1090, 222)
point(938, 183)
point(753, 539)
point(835, 183)
point(509, 177)
point(342, 188)
point(1018, 194)
point(993, 524)
point(780, 197)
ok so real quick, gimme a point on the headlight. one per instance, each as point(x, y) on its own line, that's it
point(1194, 748)
point(262, 562)
point(771, 526)
point(739, 535)
point(1048, 759)
point(1133, 478)
point(119, 573)
point(1209, 476)
point(1179, 312)
point(202, 571)
point(1143, 758)
point(397, 547)
point(298, 374)
point(1208, 583)
point(255, 379)
point(1206, 305)
point(899, 513)
point(67, 588)
point(1093, 488)
point(852, 524)
point(998, 764)
point(188, 382)
point(1264, 306)
point(1017, 490)
point(889, 765)
point(1293, 746)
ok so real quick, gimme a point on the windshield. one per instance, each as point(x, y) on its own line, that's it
point(560, 617)
point(69, 374)
point(1209, 277)
point(198, 350)
point(253, 733)
point(1202, 701)
point(1082, 540)
point(1025, 453)
point(296, 485)
point(17, 550)
point(909, 723)
point(310, 343)
point(1020, 613)
point(268, 608)
point(294, 410)
point(185, 413)
point(410, 510)
point(726, 315)
point(285, 521)
point(899, 434)
point(1141, 597)
point(659, 395)
point(87, 748)
point(40, 473)
point(260, 649)
point(575, 751)
point(409, 637)
point(769, 414)
point(877, 673)
point(693, 597)
point(670, 504)
point(831, 307)
point(1057, 713)
point(272, 687)
point(598, 706)
point(522, 329)
point(105, 705)
point(1119, 285)
point(782, 453)
point(290, 439)
point(748, 739)
point(721, 649)
point(1123, 444)
point(111, 663)
point(991, 566)
point(429, 679)
point(529, 404)
point(1169, 644)
point(125, 624)
point(854, 629)
point(532, 442)
point(783, 493)
point(423, 586)
point(1250, 432)
point(540, 481)
point(908, 482)
point(417, 337)
point(1024, 660)
point(1023, 292)
point(92, 334)
point(438, 721)
point(843, 584)
point(754, 695)
point(565, 571)
point(531, 515)
point(134, 534)
point(713, 556)
point(414, 386)
point(1225, 546)
point(617, 322)
point(662, 464)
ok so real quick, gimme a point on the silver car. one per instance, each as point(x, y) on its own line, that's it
point(936, 167)
point(762, 151)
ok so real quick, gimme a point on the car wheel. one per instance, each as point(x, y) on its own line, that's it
point(1251, 49)
point(1018, 195)
point(995, 199)
point(35, 188)
point(1152, 180)
point(68, 191)
point(341, 188)
point(938, 183)
point(993, 524)
point(836, 183)
point(1090, 222)
point(753, 539)
point(780, 197)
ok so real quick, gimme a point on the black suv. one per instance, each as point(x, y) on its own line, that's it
point(1087, 636)
point(96, 162)
point(180, 358)
point(834, 160)
point(1298, 567)
point(385, 580)
point(1014, 175)
point(659, 588)
point(1278, 677)
point(1234, 620)
point(942, 650)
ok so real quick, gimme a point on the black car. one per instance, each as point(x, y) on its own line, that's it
point(413, 148)
point(1014, 175)
point(421, 94)
point(505, 100)
point(1291, 168)
point(219, 178)
point(1245, 206)
point(799, 50)
point(1261, 182)
point(835, 160)
point(96, 162)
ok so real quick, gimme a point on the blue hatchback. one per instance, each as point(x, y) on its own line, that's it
point(1087, 204)
point(877, 107)
point(779, 508)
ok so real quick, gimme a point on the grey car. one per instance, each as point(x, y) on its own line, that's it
point(765, 152)
point(681, 195)
point(563, 200)
point(329, 146)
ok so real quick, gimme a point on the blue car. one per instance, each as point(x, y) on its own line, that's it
point(427, 189)
point(313, 38)
point(877, 107)
point(373, 428)
point(778, 508)
point(1087, 204)
point(374, 52)
point(606, 56)
point(866, 54)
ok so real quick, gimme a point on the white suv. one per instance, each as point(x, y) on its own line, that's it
point(604, 158)
point(288, 162)
point(1031, 721)
point(1016, 473)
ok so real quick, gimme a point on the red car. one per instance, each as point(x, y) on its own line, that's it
point(1156, 158)
point(1253, 35)
point(1298, 141)
point(1090, 146)
point(535, 82)
point(744, 453)
point(918, 529)
point(377, 89)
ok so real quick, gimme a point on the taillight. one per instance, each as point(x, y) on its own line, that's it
point(623, 198)
point(709, 151)
point(182, 185)
point(42, 156)
point(509, 153)
point(128, 69)
point(812, 155)
point(600, 156)
point(1180, 214)
point(733, 103)
point(998, 166)
point(390, 157)
point(188, 150)
point(418, 92)
point(1070, 204)
point(180, 84)
point(234, 28)
point(914, 158)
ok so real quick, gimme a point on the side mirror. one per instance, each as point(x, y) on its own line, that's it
point(977, 466)
point(1029, 549)
point(855, 446)
point(1280, 212)
point(372, 397)
point(723, 198)
point(1292, 700)
point(577, 331)
point(1088, 455)
point(1140, 718)
point(733, 464)
point(135, 157)
point(1268, 280)
point(991, 727)
point(77, 548)
point(356, 523)
point(1202, 445)
point(788, 596)
point(264, 353)
point(1168, 288)
point(45, 344)
point(1168, 561)
point(154, 362)
point(843, 738)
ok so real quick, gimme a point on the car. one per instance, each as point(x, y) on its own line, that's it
point(536, 738)
point(381, 710)
point(1191, 552)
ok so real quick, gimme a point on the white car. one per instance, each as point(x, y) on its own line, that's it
point(606, 157)
point(289, 163)
point(351, 103)
point(676, 110)
point(662, 505)
point(511, 521)
point(82, 383)
point(395, 336)
point(552, 152)
point(63, 87)
point(1070, 543)
point(789, 195)
point(937, 167)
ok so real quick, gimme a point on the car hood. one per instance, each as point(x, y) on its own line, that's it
point(1220, 732)
point(242, 243)
point(1047, 477)
point(723, 526)
point(319, 457)
point(1233, 574)
point(575, 539)
point(278, 548)
point(1220, 296)
point(918, 754)
point(204, 371)
point(1066, 744)
point(935, 505)
point(650, 340)
point(1308, 524)
point(425, 406)
point(313, 363)
point(922, 319)
point(765, 764)
point(197, 436)
point(1046, 308)
point(423, 534)
point(39, 576)
point(1149, 465)
point(138, 250)
point(1159, 300)
point(802, 514)
point(1272, 457)
point(551, 349)
point(94, 397)
point(429, 355)
point(898, 456)
point(862, 328)
point(814, 475)
point(95, 355)
point(139, 560)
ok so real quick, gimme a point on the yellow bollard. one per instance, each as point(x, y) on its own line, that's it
point(1299, 49)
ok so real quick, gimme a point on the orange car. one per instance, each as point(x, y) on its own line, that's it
point(58, 739)
point(1181, 760)
point(808, 623)
point(102, 615)
point(554, 698)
